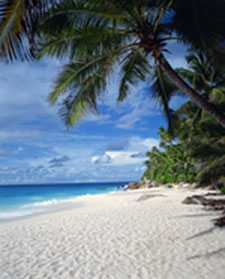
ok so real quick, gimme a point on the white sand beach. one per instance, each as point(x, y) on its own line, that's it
point(145, 234)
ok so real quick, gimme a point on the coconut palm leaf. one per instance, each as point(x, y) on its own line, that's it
point(82, 82)
point(162, 91)
point(134, 69)
point(212, 171)
point(17, 26)
point(201, 23)
point(75, 29)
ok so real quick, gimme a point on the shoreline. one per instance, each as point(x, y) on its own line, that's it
point(136, 234)
point(52, 206)
point(55, 205)
point(72, 203)
point(34, 200)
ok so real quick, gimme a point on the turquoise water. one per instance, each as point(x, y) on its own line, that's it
point(23, 200)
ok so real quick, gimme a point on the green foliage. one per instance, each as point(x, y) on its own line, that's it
point(84, 80)
point(18, 22)
point(162, 91)
point(170, 164)
point(128, 36)
point(135, 68)
point(222, 190)
point(195, 151)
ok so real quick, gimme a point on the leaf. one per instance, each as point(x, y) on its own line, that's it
point(18, 20)
point(162, 90)
point(135, 68)
point(83, 82)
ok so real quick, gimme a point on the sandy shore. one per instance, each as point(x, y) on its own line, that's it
point(143, 234)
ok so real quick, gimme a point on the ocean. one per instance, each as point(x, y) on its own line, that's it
point(17, 201)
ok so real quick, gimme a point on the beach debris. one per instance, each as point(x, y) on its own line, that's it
point(220, 222)
point(214, 203)
point(193, 200)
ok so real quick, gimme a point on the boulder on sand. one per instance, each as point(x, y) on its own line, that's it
point(134, 186)
point(220, 222)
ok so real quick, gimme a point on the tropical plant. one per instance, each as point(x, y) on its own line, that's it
point(171, 163)
point(197, 136)
point(206, 137)
point(223, 190)
point(18, 22)
point(97, 36)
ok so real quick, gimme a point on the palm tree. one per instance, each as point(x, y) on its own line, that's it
point(18, 21)
point(96, 35)
point(207, 80)
point(203, 137)
point(195, 151)
point(169, 164)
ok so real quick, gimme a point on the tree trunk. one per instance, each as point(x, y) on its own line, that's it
point(197, 98)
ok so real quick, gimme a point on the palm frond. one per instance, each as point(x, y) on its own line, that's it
point(162, 92)
point(17, 26)
point(79, 28)
point(82, 82)
point(82, 42)
point(205, 150)
point(11, 27)
point(212, 171)
point(134, 69)
point(76, 105)
point(200, 23)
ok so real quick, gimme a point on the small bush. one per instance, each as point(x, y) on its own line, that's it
point(222, 190)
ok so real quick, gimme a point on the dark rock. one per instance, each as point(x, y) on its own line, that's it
point(192, 200)
point(214, 194)
point(134, 186)
point(210, 204)
point(220, 222)
point(217, 204)
point(169, 186)
point(140, 185)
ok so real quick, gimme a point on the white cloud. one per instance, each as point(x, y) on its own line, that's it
point(138, 105)
point(81, 161)
point(134, 153)
point(24, 90)
point(34, 144)
point(118, 158)
point(104, 159)
point(142, 145)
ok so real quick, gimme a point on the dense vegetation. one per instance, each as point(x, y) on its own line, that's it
point(194, 150)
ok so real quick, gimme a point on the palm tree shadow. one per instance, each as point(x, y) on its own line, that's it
point(205, 232)
point(218, 252)
point(196, 215)
point(147, 197)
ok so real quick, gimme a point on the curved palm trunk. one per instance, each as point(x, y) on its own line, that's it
point(189, 91)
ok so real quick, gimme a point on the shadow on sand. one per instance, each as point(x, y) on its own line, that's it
point(147, 197)
point(202, 233)
point(219, 252)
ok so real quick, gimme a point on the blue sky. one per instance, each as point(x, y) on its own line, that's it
point(35, 146)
